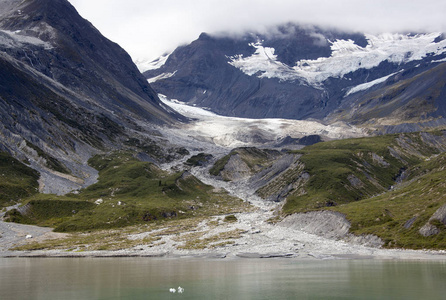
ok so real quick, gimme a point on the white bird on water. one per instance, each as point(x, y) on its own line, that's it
point(180, 290)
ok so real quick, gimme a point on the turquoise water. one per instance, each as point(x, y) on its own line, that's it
point(149, 278)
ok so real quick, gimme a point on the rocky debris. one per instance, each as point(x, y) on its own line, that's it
point(440, 215)
point(279, 166)
point(323, 223)
point(264, 255)
point(368, 240)
point(430, 229)
point(380, 160)
point(328, 224)
point(305, 140)
point(284, 176)
point(200, 160)
point(355, 181)
point(235, 169)
point(395, 154)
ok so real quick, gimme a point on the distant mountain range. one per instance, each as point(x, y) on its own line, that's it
point(303, 72)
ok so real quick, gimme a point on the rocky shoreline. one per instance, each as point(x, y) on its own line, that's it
point(259, 240)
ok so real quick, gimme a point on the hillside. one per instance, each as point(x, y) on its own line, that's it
point(67, 92)
point(128, 192)
point(388, 186)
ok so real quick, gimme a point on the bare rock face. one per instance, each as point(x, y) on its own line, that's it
point(324, 223)
point(440, 215)
point(235, 169)
point(429, 229)
point(66, 92)
point(329, 224)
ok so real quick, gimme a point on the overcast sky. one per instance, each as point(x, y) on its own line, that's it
point(148, 28)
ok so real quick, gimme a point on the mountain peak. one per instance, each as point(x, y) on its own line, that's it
point(293, 71)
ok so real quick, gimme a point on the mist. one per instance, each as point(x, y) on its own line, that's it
point(147, 29)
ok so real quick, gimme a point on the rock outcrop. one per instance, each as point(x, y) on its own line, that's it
point(430, 229)
point(329, 224)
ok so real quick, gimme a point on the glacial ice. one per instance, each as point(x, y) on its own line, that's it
point(346, 57)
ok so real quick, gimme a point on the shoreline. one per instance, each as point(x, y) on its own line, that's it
point(258, 240)
point(397, 256)
point(355, 253)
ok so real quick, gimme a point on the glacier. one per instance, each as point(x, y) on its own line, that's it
point(346, 57)
point(231, 132)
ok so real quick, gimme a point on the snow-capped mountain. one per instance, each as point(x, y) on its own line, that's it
point(295, 71)
point(346, 57)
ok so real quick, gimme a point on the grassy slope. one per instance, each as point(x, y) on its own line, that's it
point(16, 180)
point(386, 215)
point(371, 206)
point(349, 170)
point(132, 192)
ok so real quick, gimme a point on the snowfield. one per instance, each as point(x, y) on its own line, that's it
point(346, 57)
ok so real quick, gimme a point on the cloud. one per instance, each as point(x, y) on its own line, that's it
point(147, 29)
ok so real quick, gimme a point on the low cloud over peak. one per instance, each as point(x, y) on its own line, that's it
point(149, 28)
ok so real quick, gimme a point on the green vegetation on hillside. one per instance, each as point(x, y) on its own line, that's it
point(345, 171)
point(389, 186)
point(128, 192)
point(17, 180)
point(398, 215)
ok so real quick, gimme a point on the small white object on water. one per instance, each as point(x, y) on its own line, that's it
point(172, 290)
point(180, 290)
point(29, 236)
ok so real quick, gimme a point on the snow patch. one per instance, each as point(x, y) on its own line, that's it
point(264, 64)
point(161, 76)
point(146, 65)
point(346, 57)
point(14, 39)
point(367, 85)
point(439, 60)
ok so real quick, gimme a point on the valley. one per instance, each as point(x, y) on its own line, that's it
point(232, 216)
point(302, 142)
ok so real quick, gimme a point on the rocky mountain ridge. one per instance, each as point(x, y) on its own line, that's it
point(67, 92)
point(303, 72)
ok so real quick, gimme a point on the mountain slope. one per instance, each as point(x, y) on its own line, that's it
point(407, 101)
point(293, 71)
point(67, 92)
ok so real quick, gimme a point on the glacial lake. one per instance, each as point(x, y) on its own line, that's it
point(151, 278)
